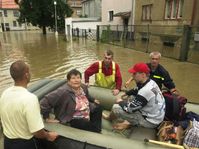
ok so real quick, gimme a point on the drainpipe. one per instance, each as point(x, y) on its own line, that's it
point(133, 12)
point(193, 12)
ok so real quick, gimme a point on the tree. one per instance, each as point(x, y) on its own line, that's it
point(41, 13)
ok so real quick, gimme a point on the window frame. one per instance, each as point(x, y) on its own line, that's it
point(171, 7)
point(15, 13)
point(146, 12)
point(14, 23)
point(110, 15)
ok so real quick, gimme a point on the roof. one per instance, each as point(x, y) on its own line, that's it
point(8, 4)
point(123, 14)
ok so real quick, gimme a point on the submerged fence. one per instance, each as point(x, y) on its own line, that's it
point(178, 42)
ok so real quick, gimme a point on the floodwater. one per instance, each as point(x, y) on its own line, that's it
point(50, 57)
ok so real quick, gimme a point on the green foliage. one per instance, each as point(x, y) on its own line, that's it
point(41, 13)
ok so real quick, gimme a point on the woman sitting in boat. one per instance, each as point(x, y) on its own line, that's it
point(73, 105)
point(147, 108)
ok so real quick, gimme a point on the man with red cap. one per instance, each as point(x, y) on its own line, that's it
point(147, 106)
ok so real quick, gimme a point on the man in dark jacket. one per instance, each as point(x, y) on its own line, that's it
point(159, 74)
point(72, 104)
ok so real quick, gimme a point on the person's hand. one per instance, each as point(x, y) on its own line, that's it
point(124, 95)
point(175, 92)
point(127, 83)
point(115, 92)
point(87, 84)
point(97, 101)
point(118, 100)
point(52, 136)
point(48, 120)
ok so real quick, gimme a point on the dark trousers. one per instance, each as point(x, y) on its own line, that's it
point(95, 123)
point(19, 143)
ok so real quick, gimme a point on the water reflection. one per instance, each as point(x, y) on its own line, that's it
point(52, 58)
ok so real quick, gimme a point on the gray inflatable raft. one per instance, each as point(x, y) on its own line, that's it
point(72, 138)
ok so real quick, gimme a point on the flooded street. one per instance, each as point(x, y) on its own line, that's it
point(49, 57)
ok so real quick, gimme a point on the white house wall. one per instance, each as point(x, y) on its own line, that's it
point(86, 25)
point(116, 6)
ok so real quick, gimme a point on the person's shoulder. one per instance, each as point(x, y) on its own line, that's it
point(95, 64)
point(162, 68)
point(116, 64)
point(84, 87)
point(31, 95)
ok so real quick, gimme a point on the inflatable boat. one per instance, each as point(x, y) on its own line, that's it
point(72, 138)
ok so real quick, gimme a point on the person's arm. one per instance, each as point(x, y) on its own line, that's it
point(118, 78)
point(42, 134)
point(34, 120)
point(128, 82)
point(135, 104)
point(85, 88)
point(49, 101)
point(168, 82)
point(93, 69)
point(133, 91)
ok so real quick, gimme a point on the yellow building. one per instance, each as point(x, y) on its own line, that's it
point(167, 12)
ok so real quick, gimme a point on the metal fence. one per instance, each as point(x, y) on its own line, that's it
point(86, 33)
point(172, 41)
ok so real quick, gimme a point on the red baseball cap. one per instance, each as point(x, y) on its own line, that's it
point(139, 67)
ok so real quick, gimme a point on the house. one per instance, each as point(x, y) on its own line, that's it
point(9, 13)
point(91, 8)
point(117, 12)
point(86, 25)
point(76, 6)
point(167, 12)
point(169, 26)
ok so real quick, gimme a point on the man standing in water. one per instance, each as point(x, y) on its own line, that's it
point(159, 74)
point(20, 112)
point(107, 73)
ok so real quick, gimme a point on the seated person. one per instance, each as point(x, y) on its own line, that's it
point(72, 104)
point(147, 108)
point(158, 73)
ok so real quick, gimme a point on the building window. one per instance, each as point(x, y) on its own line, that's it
point(5, 13)
point(15, 13)
point(78, 12)
point(173, 9)
point(15, 23)
point(7, 24)
point(146, 12)
point(110, 15)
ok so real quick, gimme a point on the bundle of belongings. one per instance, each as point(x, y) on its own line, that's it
point(184, 132)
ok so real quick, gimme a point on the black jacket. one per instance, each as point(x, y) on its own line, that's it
point(161, 76)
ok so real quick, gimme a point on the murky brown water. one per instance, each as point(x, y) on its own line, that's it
point(52, 58)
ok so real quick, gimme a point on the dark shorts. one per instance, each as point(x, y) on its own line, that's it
point(19, 143)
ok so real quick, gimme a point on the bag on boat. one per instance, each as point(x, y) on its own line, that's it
point(175, 106)
point(191, 139)
point(168, 132)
